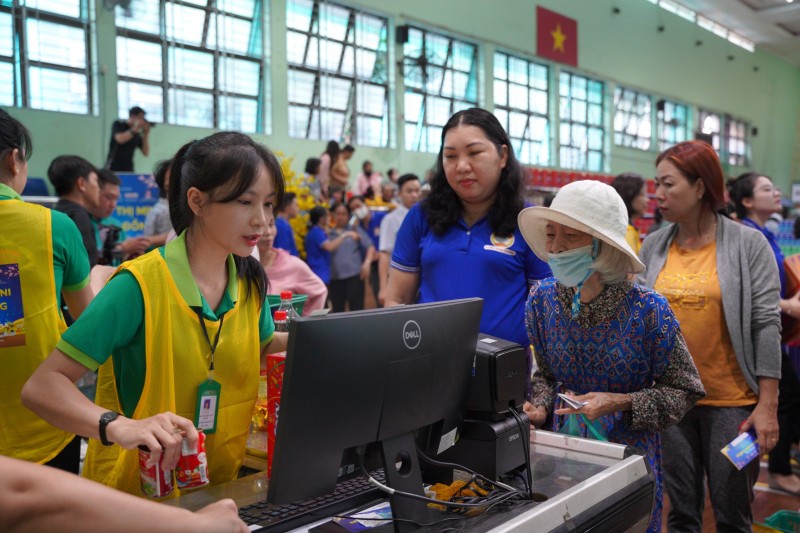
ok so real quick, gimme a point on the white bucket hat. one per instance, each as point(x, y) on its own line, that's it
point(589, 206)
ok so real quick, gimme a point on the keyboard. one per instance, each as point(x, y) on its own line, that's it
point(263, 516)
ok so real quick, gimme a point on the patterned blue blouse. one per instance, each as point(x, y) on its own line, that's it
point(624, 341)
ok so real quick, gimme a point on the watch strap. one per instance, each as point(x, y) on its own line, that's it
point(105, 419)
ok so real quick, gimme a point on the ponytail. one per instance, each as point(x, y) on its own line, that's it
point(179, 212)
point(249, 269)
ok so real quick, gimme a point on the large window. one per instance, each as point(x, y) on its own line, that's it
point(736, 141)
point(338, 73)
point(44, 55)
point(521, 96)
point(441, 77)
point(673, 123)
point(711, 124)
point(633, 125)
point(193, 62)
point(581, 136)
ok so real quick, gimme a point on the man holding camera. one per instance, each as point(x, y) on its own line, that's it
point(126, 137)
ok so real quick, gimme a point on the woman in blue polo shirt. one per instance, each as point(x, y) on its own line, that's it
point(463, 239)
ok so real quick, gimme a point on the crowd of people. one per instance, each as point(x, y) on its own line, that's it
point(670, 345)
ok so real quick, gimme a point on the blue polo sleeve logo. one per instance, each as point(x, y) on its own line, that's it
point(501, 244)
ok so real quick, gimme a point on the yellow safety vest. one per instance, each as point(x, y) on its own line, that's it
point(30, 326)
point(177, 359)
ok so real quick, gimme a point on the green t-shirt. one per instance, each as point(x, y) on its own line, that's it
point(70, 262)
point(114, 322)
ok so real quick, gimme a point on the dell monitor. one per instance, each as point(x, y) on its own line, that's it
point(382, 376)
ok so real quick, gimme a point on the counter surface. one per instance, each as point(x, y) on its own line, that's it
point(585, 482)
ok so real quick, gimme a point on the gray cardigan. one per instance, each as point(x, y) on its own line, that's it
point(750, 287)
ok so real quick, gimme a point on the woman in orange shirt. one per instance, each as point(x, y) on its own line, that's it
point(722, 283)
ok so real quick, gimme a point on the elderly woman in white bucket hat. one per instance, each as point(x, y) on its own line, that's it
point(612, 345)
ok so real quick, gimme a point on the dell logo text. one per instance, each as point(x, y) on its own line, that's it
point(412, 334)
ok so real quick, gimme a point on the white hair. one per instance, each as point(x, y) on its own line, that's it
point(613, 265)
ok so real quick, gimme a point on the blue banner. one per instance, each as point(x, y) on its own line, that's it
point(138, 195)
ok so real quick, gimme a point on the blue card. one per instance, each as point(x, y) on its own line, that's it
point(741, 450)
point(368, 518)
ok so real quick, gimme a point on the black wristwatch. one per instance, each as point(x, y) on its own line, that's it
point(105, 419)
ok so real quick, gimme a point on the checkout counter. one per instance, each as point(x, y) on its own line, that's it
point(588, 485)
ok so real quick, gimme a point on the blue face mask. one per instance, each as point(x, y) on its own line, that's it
point(573, 266)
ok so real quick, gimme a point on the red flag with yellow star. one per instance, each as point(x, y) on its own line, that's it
point(556, 37)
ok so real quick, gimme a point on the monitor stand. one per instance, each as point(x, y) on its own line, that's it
point(401, 467)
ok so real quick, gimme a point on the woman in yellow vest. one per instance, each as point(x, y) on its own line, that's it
point(185, 326)
point(41, 257)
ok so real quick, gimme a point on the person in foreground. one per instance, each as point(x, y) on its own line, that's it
point(54, 264)
point(178, 322)
point(609, 343)
point(722, 282)
point(40, 498)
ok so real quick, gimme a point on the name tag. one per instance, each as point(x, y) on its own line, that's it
point(205, 416)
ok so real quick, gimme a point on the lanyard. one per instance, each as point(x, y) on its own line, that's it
point(208, 339)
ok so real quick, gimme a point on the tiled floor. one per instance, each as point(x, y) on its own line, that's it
point(767, 502)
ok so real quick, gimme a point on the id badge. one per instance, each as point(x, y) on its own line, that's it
point(205, 416)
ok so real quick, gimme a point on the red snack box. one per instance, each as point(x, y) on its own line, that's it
point(155, 482)
point(192, 470)
point(276, 363)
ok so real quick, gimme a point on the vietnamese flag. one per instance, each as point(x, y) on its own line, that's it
point(556, 37)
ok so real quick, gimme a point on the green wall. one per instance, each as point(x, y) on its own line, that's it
point(623, 48)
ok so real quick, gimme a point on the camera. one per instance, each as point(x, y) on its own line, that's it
point(109, 235)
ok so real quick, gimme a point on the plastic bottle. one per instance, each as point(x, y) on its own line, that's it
point(281, 321)
point(286, 305)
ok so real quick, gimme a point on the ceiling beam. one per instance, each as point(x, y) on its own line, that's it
point(781, 13)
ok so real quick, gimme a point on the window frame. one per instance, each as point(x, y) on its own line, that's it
point(545, 144)
point(583, 155)
point(168, 86)
point(662, 124)
point(422, 135)
point(623, 137)
point(316, 109)
point(737, 158)
point(716, 135)
point(21, 62)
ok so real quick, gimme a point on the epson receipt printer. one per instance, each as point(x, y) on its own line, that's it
point(490, 441)
point(499, 379)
